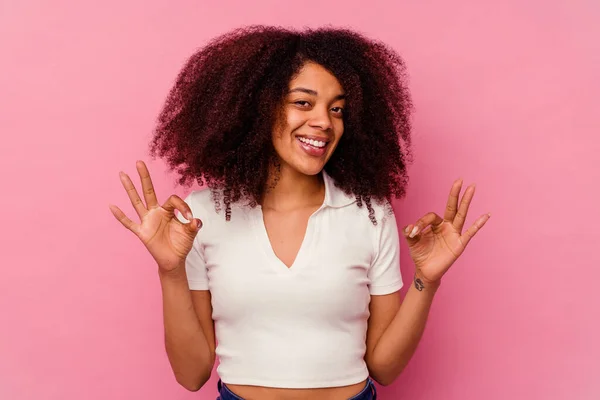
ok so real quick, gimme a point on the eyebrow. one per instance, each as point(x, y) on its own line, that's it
point(314, 93)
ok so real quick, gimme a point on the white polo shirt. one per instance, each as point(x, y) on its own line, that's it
point(303, 326)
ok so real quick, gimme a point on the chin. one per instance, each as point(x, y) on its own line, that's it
point(312, 172)
point(309, 168)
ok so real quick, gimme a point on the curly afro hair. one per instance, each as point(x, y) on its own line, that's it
point(216, 125)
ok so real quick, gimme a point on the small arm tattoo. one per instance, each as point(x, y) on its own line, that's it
point(419, 285)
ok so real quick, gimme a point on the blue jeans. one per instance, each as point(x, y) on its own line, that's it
point(368, 393)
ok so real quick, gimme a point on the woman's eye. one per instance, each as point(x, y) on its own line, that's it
point(338, 110)
point(301, 103)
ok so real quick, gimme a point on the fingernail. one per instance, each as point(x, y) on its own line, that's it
point(406, 229)
point(199, 223)
point(414, 232)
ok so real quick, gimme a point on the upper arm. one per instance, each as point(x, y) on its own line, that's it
point(385, 282)
point(203, 307)
point(383, 309)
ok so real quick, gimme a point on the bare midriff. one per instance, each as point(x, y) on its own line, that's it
point(270, 393)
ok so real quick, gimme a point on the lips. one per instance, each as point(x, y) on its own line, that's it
point(310, 149)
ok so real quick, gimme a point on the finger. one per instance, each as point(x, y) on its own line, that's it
point(463, 209)
point(418, 235)
point(175, 202)
point(122, 218)
point(429, 219)
point(147, 186)
point(194, 226)
point(477, 225)
point(424, 231)
point(452, 204)
point(137, 203)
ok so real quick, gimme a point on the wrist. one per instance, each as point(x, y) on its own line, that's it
point(174, 273)
point(421, 283)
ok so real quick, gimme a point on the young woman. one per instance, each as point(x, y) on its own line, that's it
point(289, 259)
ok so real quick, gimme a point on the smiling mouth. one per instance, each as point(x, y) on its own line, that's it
point(312, 147)
point(316, 143)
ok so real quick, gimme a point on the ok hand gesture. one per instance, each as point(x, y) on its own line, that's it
point(435, 243)
point(167, 239)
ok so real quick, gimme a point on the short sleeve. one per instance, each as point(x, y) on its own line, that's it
point(195, 266)
point(384, 273)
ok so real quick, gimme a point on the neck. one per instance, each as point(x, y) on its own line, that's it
point(292, 190)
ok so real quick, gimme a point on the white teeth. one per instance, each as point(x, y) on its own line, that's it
point(315, 143)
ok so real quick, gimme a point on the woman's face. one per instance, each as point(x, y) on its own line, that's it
point(312, 123)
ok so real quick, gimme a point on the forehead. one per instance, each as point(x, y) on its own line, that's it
point(316, 77)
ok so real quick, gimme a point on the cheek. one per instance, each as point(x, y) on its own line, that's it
point(281, 136)
point(294, 119)
point(339, 129)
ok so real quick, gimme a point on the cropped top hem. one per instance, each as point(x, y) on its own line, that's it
point(294, 383)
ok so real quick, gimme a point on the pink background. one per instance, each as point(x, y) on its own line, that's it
point(506, 96)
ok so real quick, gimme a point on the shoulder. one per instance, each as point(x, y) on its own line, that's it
point(379, 214)
point(207, 204)
point(200, 197)
point(202, 203)
point(383, 210)
point(336, 197)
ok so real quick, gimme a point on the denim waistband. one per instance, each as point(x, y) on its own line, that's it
point(368, 393)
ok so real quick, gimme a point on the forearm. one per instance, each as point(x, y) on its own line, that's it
point(186, 345)
point(399, 341)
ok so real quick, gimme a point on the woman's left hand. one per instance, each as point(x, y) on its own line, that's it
point(436, 243)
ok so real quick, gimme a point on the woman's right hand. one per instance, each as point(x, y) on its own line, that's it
point(167, 239)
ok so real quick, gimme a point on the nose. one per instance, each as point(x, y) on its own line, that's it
point(320, 119)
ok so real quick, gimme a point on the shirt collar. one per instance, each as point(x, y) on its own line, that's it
point(334, 196)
